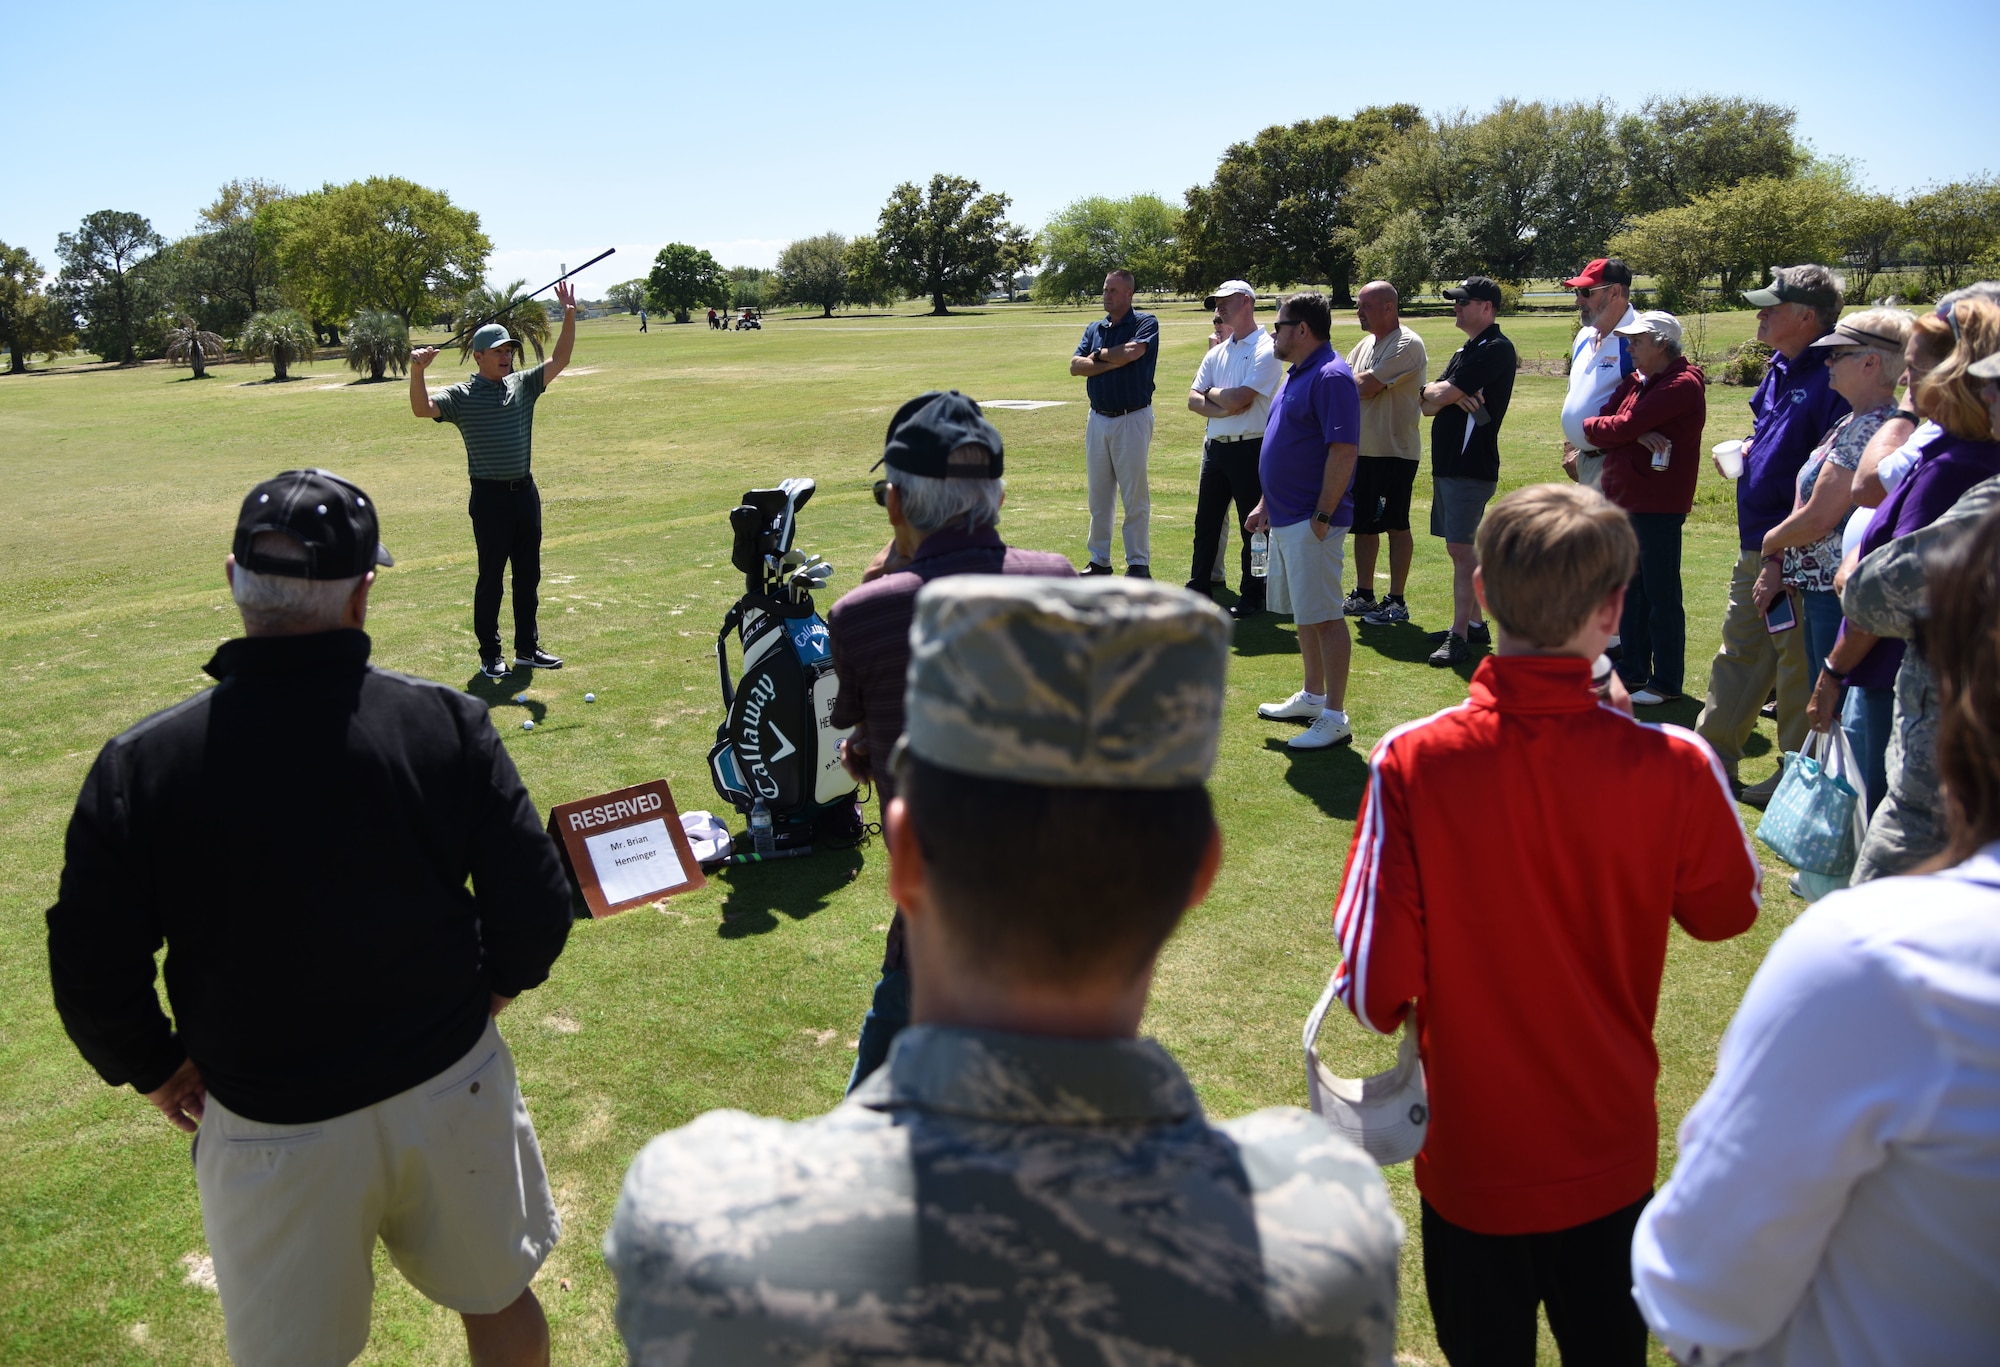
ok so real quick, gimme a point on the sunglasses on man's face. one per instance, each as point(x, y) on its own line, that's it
point(1586, 293)
point(881, 493)
point(1277, 323)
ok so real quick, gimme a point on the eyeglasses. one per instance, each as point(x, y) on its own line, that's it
point(1846, 353)
point(881, 493)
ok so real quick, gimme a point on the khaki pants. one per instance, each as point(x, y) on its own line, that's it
point(1740, 678)
point(1115, 469)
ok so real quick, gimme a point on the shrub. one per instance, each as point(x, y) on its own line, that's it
point(1745, 365)
point(188, 344)
point(284, 335)
point(377, 341)
point(1510, 297)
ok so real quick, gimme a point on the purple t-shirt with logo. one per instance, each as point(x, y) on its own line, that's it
point(1318, 406)
point(1792, 408)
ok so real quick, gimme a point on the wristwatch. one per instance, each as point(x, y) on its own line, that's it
point(1826, 667)
point(1324, 519)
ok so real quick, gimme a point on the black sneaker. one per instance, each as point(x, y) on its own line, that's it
point(494, 668)
point(1138, 572)
point(1479, 634)
point(1454, 651)
point(1243, 609)
point(1094, 568)
point(541, 659)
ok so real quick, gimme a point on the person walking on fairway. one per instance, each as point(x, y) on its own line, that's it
point(642, 320)
point(1116, 358)
point(494, 411)
point(350, 882)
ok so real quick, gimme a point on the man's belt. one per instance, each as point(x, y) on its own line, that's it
point(1119, 412)
point(510, 485)
point(1245, 436)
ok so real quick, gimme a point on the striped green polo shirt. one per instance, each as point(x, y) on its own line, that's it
point(496, 420)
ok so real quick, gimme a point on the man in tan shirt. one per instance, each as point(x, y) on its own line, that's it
point(1389, 366)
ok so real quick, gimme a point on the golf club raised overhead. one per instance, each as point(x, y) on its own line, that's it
point(475, 325)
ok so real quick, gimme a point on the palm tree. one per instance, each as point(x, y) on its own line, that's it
point(526, 322)
point(284, 335)
point(186, 342)
point(377, 341)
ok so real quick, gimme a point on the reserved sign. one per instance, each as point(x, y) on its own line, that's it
point(625, 849)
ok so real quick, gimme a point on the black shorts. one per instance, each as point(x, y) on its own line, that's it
point(1382, 487)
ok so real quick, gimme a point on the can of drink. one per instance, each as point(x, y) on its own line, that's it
point(1660, 459)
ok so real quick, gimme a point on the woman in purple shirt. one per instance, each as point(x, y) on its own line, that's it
point(1950, 464)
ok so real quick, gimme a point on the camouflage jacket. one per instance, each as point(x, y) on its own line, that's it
point(1885, 596)
point(1007, 1199)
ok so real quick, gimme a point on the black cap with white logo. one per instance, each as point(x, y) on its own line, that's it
point(328, 516)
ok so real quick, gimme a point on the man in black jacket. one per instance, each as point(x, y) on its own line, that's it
point(301, 838)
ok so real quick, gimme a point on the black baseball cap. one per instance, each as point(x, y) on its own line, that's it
point(330, 517)
point(929, 428)
point(1475, 287)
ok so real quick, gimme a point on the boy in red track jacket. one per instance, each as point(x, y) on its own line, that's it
point(1515, 866)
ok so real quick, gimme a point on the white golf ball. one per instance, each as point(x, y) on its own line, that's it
point(590, 697)
point(528, 724)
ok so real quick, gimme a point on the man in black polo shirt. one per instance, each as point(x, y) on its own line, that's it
point(1467, 405)
point(494, 411)
point(350, 882)
point(1116, 358)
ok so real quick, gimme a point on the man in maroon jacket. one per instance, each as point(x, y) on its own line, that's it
point(1650, 434)
point(943, 494)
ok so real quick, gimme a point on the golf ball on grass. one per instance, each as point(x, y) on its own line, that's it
point(590, 697)
point(528, 724)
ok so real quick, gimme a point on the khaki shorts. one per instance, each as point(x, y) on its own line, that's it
point(1305, 573)
point(448, 1175)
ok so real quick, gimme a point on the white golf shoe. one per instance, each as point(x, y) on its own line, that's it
point(1329, 730)
point(1299, 707)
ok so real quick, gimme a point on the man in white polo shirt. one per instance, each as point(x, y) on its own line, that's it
point(1598, 360)
point(1232, 389)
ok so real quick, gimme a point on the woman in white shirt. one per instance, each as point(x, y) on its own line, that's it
point(1837, 1196)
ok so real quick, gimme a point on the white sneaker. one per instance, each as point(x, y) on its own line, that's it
point(1646, 697)
point(1331, 729)
point(1301, 706)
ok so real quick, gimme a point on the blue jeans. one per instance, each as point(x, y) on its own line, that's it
point(1653, 631)
point(887, 1015)
point(1819, 619)
point(1867, 717)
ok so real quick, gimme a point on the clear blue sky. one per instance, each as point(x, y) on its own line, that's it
point(740, 126)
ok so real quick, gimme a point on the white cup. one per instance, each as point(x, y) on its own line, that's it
point(1729, 455)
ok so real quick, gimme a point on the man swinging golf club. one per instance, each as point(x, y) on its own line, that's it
point(494, 410)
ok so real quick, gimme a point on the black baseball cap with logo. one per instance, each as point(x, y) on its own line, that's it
point(329, 516)
point(929, 429)
point(1475, 287)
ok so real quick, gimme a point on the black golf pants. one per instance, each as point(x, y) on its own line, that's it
point(506, 526)
point(1228, 472)
point(1484, 1288)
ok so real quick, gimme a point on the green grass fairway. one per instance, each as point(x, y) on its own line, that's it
point(125, 485)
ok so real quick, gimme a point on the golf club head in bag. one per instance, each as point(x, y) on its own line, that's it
point(777, 742)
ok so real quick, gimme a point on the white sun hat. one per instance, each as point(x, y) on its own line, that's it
point(1387, 1114)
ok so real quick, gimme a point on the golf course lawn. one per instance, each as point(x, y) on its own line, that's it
point(748, 993)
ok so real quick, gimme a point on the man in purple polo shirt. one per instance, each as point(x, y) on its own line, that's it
point(1791, 410)
point(1311, 442)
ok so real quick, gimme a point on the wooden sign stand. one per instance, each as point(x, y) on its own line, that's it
point(625, 849)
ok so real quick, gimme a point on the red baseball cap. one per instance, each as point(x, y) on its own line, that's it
point(1606, 270)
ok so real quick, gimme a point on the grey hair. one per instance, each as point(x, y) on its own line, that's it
point(1122, 274)
point(274, 604)
point(1814, 277)
point(1673, 348)
point(933, 502)
point(1885, 323)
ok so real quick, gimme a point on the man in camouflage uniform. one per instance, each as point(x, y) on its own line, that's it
point(1885, 596)
point(1025, 1180)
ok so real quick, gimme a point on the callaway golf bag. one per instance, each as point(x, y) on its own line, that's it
point(778, 742)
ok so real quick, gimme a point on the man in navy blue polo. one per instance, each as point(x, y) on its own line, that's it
point(1790, 411)
point(1116, 358)
point(1306, 466)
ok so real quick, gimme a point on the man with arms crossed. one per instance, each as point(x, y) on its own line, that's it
point(1307, 470)
point(494, 411)
point(1599, 360)
point(1025, 1180)
point(1388, 364)
point(351, 883)
point(1116, 358)
point(1232, 389)
point(1466, 406)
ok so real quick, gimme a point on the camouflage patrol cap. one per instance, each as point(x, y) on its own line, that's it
point(1067, 683)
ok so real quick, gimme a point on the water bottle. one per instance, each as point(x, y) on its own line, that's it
point(1260, 555)
point(762, 839)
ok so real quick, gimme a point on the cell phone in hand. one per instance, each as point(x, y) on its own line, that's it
point(1781, 615)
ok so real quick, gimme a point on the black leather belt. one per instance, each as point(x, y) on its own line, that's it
point(1119, 412)
point(510, 485)
point(1247, 436)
